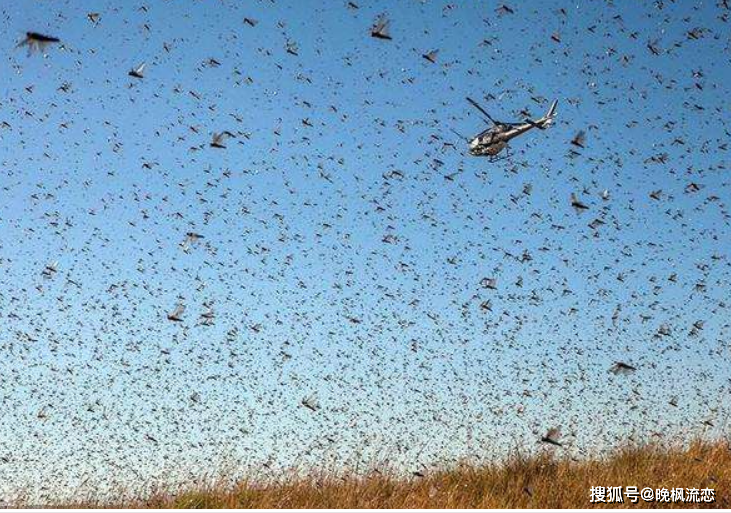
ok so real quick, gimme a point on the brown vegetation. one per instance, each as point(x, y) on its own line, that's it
point(542, 481)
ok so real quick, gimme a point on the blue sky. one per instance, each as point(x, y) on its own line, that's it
point(295, 217)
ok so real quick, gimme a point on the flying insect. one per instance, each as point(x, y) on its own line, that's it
point(36, 41)
point(138, 72)
point(490, 142)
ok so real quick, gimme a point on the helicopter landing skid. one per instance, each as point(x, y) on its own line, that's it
point(498, 158)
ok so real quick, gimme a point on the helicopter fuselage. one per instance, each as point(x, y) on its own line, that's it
point(487, 144)
point(494, 140)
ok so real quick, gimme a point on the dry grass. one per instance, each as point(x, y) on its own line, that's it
point(542, 481)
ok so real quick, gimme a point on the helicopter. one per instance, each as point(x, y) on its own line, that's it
point(490, 142)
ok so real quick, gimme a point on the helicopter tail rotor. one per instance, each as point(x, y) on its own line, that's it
point(550, 115)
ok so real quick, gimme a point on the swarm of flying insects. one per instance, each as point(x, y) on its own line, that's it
point(242, 238)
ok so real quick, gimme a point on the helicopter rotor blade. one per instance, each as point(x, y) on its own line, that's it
point(460, 135)
point(483, 111)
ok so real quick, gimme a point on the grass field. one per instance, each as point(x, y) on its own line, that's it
point(542, 481)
